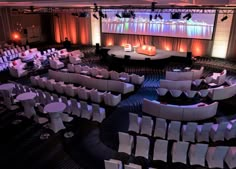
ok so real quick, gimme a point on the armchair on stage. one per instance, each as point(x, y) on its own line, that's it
point(128, 48)
point(147, 50)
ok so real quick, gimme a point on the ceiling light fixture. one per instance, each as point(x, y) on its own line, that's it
point(101, 14)
point(187, 16)
point(153, 6)
point(224, 18)
point(95, 16)
point(95, 7)
point(158, 16)
point(150, 17)
point(118, 15)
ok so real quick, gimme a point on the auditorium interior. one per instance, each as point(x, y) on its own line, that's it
point(102, 84)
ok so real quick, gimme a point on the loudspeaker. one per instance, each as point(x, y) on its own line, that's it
point(25, 31)
point(97, 48)
point(189, 55)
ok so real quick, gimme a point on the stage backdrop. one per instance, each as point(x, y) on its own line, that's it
point(196, 46)
point(182, 24)
point(76, 29)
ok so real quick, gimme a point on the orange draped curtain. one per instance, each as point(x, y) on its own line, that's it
point(77, 30)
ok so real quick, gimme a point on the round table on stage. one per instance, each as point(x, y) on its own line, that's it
point(27, 100)
point(54, 110)
point(6, 90)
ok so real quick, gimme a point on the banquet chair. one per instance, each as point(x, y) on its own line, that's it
point(189, 131)
point(86, 111)
point(174, 130)
point(179, 152)
point(203, 132)
point(160, 128)
point(125, 143)
point(197, 154)
point(146, 125)
point(112, 164)
point(160, 150)
point(134, 123)
point(142, 147)
point(215, 156)
point(98, 113)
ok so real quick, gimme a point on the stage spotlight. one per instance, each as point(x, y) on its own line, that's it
point(95, 16)
point(118, 15)
point(158, 16)
point(83, 14)
point(95, 7)
point(132, 14)
point(150, 17)
point(224, 18)
point(101, 14)
point(153, 6)
point(187, 16)
point(105, 16)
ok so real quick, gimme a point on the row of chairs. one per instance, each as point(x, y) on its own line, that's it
point(180, 151)
point(190, 132)
point(70, 90)
point(13, 50)
point(80, 109)
point(103, 73)
point(117, 164)
point(8, 55)
point(177, 93)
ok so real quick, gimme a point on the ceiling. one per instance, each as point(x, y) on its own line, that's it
point(107, 3)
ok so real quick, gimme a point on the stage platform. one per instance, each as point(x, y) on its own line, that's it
point(118, 52)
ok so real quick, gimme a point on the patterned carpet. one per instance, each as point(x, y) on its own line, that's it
point(22, 146)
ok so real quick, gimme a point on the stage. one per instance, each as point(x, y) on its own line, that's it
point(118, 52)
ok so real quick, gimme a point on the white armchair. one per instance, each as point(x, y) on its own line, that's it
point(56, 63)
point(128, 48)
point(74, 59)
point(16, 69)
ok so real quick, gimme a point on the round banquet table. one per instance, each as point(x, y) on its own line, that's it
point(55, 110)
point(28, 102)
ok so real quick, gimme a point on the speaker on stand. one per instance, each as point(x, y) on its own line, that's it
point(189, 58)
point(97, 48)
point(25, 31)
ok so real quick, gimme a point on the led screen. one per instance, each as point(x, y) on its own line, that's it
point(198, 25)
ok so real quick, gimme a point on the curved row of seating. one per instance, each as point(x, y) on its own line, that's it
point(178, 93)
point(177, 85)
point(182, 152)
point(200, 111)
point(72, 91)
point(105, 74)
point(191, 132)
point(90, 82)
point(117, 164)
point(184, 75)
point(218, 93)
point(7, 55)
point(81, 109)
